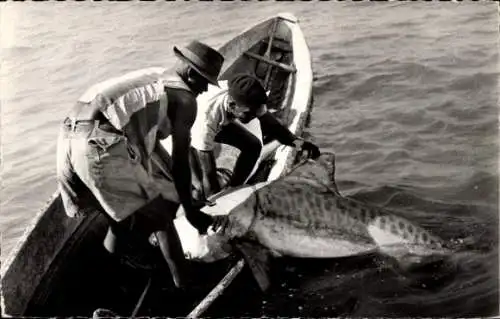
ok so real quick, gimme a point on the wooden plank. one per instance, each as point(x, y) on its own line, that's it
point(141, 299)
point(217, 291)
point(283, 66)
point(268, 52)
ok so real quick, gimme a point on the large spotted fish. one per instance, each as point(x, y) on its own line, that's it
point(302, 214)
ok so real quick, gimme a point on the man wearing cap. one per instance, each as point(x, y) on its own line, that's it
point(109, 140)
point(222, 118)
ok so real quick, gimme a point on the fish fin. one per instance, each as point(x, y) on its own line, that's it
point(327, 160)
point(257, 258)
point(321, 171)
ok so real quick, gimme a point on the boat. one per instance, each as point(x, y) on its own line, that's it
point(60, 266)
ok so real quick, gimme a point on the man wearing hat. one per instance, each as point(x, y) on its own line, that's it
point(224, 117)
point(111, 136)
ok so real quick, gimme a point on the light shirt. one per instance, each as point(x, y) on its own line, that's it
point(136, 103)
point(212, 116)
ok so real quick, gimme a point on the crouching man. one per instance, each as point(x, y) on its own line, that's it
point(106, 145)
point(222, 118)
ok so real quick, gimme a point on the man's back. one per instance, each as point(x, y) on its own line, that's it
point(134, 103)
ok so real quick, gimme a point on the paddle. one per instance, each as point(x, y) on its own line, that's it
point(217, 291)
point(141, 299)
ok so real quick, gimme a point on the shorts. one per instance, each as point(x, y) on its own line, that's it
point(105, 163)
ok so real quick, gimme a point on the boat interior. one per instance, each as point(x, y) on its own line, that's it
point(270, 59)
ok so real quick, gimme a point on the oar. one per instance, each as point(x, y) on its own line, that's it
point(217, 291)
point(141, 299)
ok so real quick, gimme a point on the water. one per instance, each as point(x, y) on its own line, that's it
point(406, 96)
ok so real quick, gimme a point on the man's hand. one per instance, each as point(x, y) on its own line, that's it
point(311, 149)
point(203, 222)
point(199, 220)
point(220, 223)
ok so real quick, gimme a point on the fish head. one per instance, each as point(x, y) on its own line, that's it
point(238, 205)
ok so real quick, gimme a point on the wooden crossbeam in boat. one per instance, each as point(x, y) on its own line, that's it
point(283, 66)
point(268, 52)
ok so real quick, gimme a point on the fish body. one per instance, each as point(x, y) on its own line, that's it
point(302, 214)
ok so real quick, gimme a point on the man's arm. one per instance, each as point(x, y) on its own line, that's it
point(209, 172)
point(273, 128)
point(182, 118)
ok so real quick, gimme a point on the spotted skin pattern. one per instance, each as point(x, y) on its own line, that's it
point(303, 214)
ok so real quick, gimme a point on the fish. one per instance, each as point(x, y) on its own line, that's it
point(302, 214)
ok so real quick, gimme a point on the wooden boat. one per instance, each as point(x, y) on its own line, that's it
point(60, 266)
